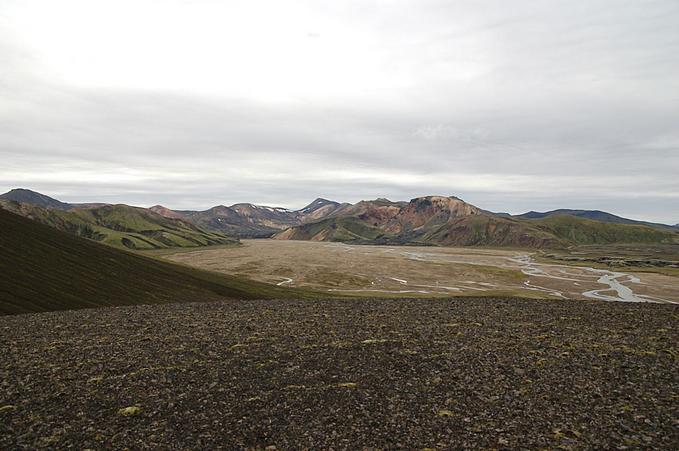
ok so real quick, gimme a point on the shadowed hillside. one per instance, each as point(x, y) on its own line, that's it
point(44, 269)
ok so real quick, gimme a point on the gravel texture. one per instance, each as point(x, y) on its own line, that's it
point(343, 374)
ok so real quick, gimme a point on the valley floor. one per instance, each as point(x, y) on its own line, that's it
point(363, 270)
point(346, 374)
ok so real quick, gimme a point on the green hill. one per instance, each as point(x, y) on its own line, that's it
point(587, 231)
point(490, 230)
point(121, 226)
point(345, 229)
point(44, 269)
point(596, 215)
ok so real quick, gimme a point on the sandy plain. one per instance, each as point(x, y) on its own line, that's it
point(428, 271)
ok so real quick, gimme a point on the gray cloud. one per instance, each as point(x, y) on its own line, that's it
point(538, 106)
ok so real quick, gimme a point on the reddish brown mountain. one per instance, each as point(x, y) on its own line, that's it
point(166, 212)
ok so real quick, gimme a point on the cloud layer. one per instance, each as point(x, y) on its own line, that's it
point(510, 105)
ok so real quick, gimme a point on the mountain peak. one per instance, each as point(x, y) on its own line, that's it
point(322, 201)
point(319, 202)
point(28, 196)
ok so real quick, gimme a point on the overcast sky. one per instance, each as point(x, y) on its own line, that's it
point(511, 105)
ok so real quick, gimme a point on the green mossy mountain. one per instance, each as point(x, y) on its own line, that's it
point(44, 269)
point(577, 230)
point(596, 215)
point(489, 230)
point(121, 226)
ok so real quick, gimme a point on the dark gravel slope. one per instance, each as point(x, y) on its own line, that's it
point(343, 374)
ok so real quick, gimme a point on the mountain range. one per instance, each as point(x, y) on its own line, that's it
point(252, 221)
point(438, 220)
point(427, 220)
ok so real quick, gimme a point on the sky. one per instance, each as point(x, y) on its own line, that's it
point(511, 105)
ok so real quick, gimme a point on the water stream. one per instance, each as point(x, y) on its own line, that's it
point(615, 283)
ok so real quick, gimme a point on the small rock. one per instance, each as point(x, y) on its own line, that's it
point(129, 411)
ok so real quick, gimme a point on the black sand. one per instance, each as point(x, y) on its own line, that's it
point(349, 374)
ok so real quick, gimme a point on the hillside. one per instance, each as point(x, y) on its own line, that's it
point(488, 230)
point(45, 269)
point(577, 230)
point(121, 226)
point(596, 215)
point(334, 229)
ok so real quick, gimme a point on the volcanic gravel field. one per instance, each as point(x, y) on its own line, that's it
point(343, 374)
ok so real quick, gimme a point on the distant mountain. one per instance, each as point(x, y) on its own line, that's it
point(427, 220)
point(273, 217)
point(44, 269)
point(374, 213)
point(318, 209)
point(343, 229)
point(436, 220)
point(242, 220)
point(428, 213)
point(595, 215)
point(439, 220)
point(120, 226)
point(166, 212)
point(475, 230)
point(31, 197)
point(246, 220)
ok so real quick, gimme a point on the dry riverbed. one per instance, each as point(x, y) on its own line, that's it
point(428, 271)
point(343, 374)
